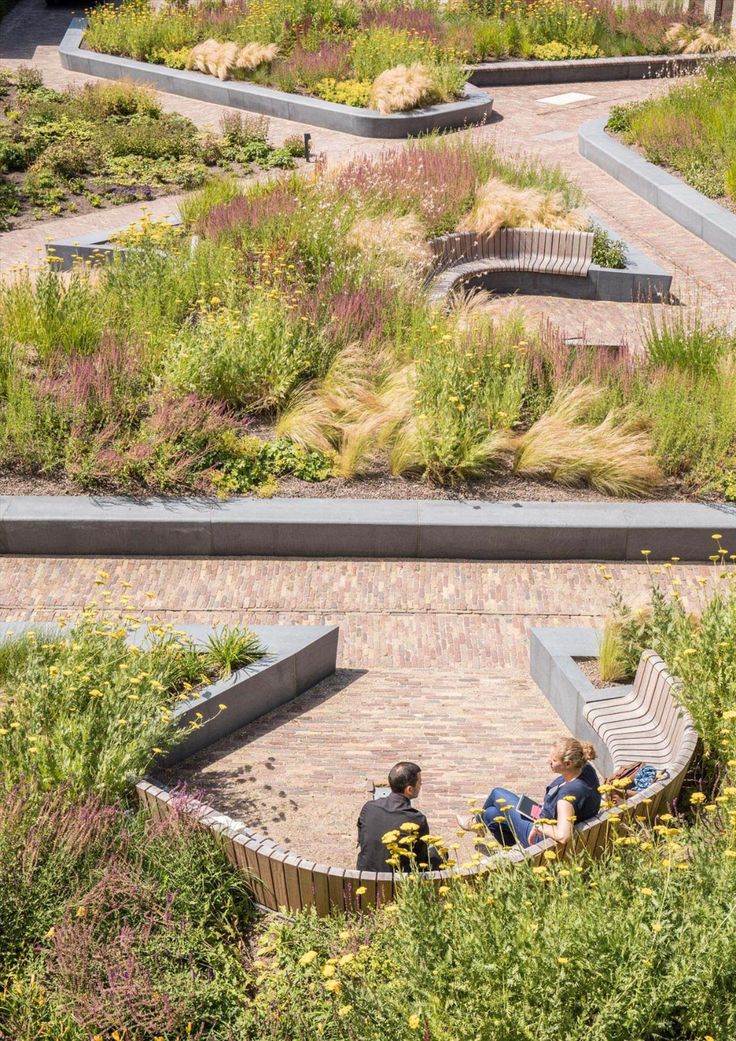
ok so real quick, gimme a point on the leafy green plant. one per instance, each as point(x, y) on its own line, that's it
point(232, 648)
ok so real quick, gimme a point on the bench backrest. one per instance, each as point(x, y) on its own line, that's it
point(520, 249)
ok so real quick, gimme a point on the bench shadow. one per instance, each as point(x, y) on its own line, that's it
point(238, 790)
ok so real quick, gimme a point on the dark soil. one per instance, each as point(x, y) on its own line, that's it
point(589, 666)
point(378, 485)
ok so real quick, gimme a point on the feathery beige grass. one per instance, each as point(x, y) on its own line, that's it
point(612, 456)
point(351, 412)
point(402, 88)
point(501, 205)
point(398, 244)
point(684, 39)
point(223, 59)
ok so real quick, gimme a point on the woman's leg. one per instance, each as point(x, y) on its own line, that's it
point(506, 825)
point(496, 819)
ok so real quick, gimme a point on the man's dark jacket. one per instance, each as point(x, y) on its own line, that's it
point(388, 814)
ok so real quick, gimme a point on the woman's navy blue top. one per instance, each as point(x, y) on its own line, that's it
point(582, 793)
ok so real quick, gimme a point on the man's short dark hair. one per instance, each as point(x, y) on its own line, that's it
point(402, 775)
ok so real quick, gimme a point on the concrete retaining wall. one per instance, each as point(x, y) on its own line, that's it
point(587, 70)
point(475, 107)
point(86, 526)
point(700, 215)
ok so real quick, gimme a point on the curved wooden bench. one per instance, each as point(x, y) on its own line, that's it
point(463, 256)
point(643, 722)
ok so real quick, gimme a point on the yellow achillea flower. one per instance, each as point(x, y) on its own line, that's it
point(414, 1021)
point(308, 958)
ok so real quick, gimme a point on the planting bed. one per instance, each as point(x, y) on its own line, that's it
point(83, 149)
point(472, 105)
point(677, 152)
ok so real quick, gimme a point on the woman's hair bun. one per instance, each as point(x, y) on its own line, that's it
point(588, 750)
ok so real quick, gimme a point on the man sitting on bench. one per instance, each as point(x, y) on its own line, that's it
point(380, 816)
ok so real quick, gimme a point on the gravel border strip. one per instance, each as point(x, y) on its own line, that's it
point(694, 211)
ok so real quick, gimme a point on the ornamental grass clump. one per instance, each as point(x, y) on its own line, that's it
point(402, 88)
point(501, 205)
point(614, 456)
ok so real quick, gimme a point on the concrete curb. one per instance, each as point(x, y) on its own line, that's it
point(700, 215)
point(587, 70)
point(430, 529)
point(297, 657)
point(475, 107)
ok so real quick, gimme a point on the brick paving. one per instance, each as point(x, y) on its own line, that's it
point(432, 665)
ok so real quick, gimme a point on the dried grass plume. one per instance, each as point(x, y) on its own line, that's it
point(501, 205)
point(223, 59)
point(402, 88)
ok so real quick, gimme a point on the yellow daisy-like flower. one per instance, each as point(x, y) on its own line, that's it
point(360, 891)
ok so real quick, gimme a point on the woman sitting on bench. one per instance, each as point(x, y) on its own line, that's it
point(570, 798)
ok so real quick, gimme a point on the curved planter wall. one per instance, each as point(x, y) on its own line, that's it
point(700, 215)
point(475, 107)
point(282, 880)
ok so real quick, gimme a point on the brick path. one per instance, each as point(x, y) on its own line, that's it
point(432, 665)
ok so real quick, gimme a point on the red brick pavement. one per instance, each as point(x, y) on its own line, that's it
point(432, 665)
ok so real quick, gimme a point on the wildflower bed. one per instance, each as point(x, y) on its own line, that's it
point(291, 338)
point(393, 57)
point(688, 131)
point(61, 152)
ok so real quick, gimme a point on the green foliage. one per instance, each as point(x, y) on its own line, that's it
point(348, 92)
point(607, 251)
point(115, 921)
point(648, 929)
point(689, 129)
point(90, 711)
point(110, 143)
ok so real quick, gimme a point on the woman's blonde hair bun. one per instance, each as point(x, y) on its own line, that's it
point(575, 753)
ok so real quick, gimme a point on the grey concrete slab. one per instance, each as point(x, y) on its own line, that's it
point(306, 527)
point(520, 531)
point(473, 108)
point(694, 211)
point(60, 525)
point(85, 526)
point(585, 70)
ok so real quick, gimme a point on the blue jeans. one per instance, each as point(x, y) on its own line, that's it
point(513, 828)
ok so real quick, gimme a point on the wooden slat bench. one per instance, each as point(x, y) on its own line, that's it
point(642, 724)
point(463, 255)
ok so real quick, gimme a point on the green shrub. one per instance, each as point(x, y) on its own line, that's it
point(608, 252)
point(90, 712)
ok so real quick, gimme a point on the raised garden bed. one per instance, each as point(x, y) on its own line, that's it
point(474, 107)
point(588, 70)
point(702, 216)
